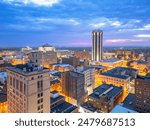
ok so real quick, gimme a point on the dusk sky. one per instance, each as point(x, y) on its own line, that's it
point(70, 22)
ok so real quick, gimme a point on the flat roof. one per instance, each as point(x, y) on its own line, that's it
point(129, 101)
point(121, 109)
point(117, 72)
point(107, 91)
point(146, 78)
point(111, 60)
point(65, 107)
point(27, 68)
point(53, 100)
point(88, 106)
point(75, 74)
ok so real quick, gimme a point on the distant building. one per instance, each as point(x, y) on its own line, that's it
point(4, 66)
point(97, 45)
point(62, 67)
point(119, 76)
point(109, 55)
point(82, 55)
point(1, 61)
point(111, 63)
point(26, 50)
point(28, 89)
point(43, 58)
point(64, 53)
point(71, 61)
point(142, 94)
point(46, 47)
point(140, 65)
point(89, 77)
point(59, 105)
point(105, 97)
point(73, 87)
point(125, 54)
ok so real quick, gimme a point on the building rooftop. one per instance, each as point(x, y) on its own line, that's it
point(54, 82)
point(63, 65)
point(97, 66)
point(111, 60)
point(121, 109)
point(54, 92)
point(147, 77)
point(47, 45)
point(141, 62)
point(76, 74)
point(120, 72)
point(58, 98)
point(27, 68)
point(129, 102)
point(89, 107)
point(64, 107)
point(107, 91)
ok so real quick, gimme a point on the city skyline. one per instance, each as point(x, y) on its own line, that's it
point(70, 23)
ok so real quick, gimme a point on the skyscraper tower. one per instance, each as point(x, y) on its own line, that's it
point(97, 45)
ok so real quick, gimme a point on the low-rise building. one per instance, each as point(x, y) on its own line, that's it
point(120, 76)
point(59, 105)
point(105, 97)
point(74, 61)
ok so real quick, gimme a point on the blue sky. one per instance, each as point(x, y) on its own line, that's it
point(70, 22)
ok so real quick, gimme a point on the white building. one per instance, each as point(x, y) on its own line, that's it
point(97, 45)
point(46, 48)
point(89, 75)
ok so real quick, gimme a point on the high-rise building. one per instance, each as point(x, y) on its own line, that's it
point(73, 87)
point(28, 89)
point(142, 94)
point(97, 45)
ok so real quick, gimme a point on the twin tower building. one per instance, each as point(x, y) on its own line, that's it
point(97, 45)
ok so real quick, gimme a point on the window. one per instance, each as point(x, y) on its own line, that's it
point(21, 87)
point(40, 86)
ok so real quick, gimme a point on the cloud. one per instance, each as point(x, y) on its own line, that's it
point(60, 21)
point(142, 35)
point(105, 22)
point(144, 28)
point(47, 3)
point(123, 40)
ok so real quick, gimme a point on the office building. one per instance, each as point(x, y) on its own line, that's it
point(74, 61)
point(89, 77)
point(142, 94)
point(97, 45)
point(82, 55)
point(73, 87)
point(125, 54)
point(28, 88)
point(42, 58)
point(120, 76)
